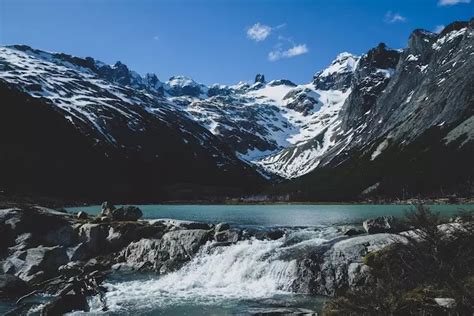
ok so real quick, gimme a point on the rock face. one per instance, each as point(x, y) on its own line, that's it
point(337, 266)
point(259, 78)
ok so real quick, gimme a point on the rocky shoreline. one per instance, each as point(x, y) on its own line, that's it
point(68, 256)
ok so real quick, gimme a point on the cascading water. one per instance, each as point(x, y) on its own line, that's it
point(248, 270)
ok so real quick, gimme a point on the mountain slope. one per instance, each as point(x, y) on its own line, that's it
point(416, 136)
point(379, 124)
point(155, 145)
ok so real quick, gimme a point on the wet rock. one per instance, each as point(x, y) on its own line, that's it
point(281, 311)
point(274, 234)
point(82, 215)
point(228, 236)
point(106, 209)
point(353, 232)
point(189, 224)
point(71, 269)
point(337, 266)
point(12, 286)
point(166, 254)
point(382, 224)
point(221, 227)
point(65, 304)
point(127, 213)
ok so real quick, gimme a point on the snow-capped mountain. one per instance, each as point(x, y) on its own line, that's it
point(122, 116)
point(358, 109)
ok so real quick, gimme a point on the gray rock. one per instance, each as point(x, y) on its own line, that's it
point(166, 254)
point(189, 224)
point(338, 266)
point(353, 232)
point(36, 264)
point(63, 236)
point(82, 215)
point(221, 227)
point(92, 237)
point(381, 224)
point(228, 236)
point(106, 209)
point(127, 213)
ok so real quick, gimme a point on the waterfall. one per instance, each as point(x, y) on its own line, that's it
point(247, 270)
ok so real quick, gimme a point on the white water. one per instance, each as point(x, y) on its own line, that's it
point(248, 270)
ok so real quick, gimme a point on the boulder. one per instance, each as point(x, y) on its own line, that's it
point(228, 236)
point(64, 304)
point(353, 232)
point(127, 213)
point(82, 215)
point(221, 227)
point(36, 264)
point(106, 209)
point(12, 286)
point(189, 224)
point(381, 224)
point(92, 236)
point(63, 236)
point(338, 265)
point(166, 254)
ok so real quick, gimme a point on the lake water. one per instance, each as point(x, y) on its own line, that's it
point(278, 215)
point(248, 277)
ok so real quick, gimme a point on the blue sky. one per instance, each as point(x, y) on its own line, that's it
point(221, 41)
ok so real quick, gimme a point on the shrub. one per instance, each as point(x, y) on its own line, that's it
point(434, 261)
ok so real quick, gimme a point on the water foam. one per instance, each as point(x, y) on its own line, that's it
point(248, 270)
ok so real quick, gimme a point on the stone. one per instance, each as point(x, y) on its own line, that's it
point(337, 266)
point(106, 209)
point(228, 236)
point(64, 304)
point(189, 224)
point(221, 227)
point(353, 232)
point(127, 213)
point(166, 254)
point(381, 224)
point(36, 264)
point(92, 236)
point(448, 303)
point(82, 215)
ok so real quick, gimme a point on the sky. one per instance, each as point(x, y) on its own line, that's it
point(222, 41)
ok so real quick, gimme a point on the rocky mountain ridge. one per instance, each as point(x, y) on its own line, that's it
point(385, 100)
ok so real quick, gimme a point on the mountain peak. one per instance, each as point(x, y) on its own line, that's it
point(260, 78)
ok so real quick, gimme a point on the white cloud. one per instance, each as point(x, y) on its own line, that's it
point(258, 32)
point(391, 17)
point(438, 28)
point(452, 2)
point(289, 53)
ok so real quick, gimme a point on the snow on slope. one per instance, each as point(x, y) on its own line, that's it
point(260, 121)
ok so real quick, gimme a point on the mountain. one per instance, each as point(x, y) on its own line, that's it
point(408, 134)
point(390, 123)
point(72, 126)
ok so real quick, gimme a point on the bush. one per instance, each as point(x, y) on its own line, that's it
point(434, 261)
